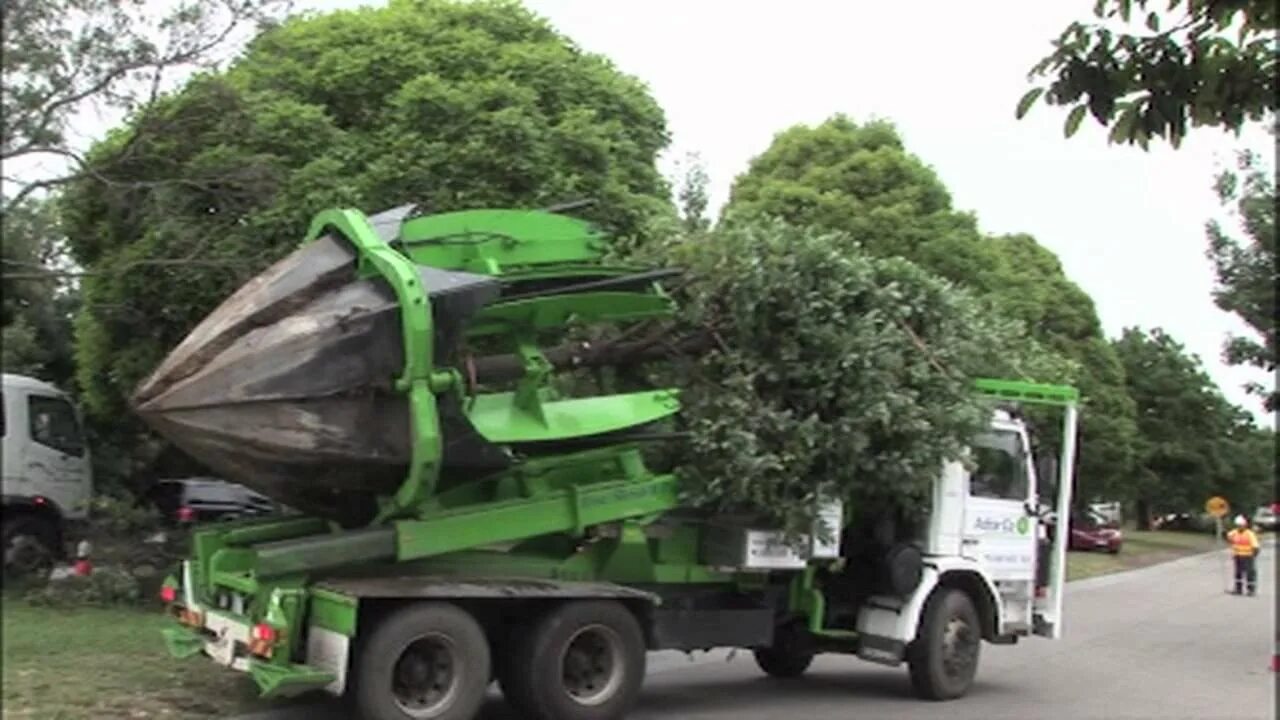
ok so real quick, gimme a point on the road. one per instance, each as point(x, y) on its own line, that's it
point(1164, 642)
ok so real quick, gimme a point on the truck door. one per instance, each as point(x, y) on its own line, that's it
point(55, 460)
point(1000, 528)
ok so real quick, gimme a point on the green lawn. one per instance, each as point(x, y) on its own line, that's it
point(106, 663)
point(1141, 548)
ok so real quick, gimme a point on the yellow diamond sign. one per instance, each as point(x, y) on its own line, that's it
point(1217, 506)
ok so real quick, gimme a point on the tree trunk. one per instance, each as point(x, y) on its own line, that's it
point(1143, 514)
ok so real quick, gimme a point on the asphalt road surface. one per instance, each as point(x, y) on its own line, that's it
point(1165, 642)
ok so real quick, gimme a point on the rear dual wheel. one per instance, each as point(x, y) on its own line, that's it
point(427, 661)
point(582, 660)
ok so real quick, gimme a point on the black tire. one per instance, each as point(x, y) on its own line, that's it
point(790, 655)
point(943, 659)
point(30, 545)
point(546, 678)
point(445, 651)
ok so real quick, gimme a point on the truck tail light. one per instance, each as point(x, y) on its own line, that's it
point(168, 593)
point(264, 639)
point(264, 632)
point(186, 514)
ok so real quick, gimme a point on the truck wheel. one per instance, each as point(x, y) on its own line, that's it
point(790, 655)
point(30, 544)
point(427, 660)
point(583, 660)
point(943, 659)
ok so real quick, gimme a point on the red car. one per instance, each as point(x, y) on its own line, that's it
point(1091, 531)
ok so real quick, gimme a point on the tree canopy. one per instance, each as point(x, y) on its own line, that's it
point(63, 57)
point(861, 181)
point(1246, 270)
point(1192, 63)
point(1193, 443)
point(833, 372)
point(37, 304)
point(442, 104)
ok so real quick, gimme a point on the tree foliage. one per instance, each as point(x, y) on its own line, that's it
point(833, 372)
point(693, 194)
point(1193, 442)
point(860, 180)
point(1193, 63)
point(37, 305)
point(1246, 270)
point(64, 57)
point(442, 104)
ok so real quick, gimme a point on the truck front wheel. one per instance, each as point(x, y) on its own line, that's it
point(790, 655)
point(30, 545)
point(584, 660)
point(943, 659)
point(426, 660)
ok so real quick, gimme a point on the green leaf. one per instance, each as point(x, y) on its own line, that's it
point(1153, 22)
point(1122, 130)
point(1028, 100)
point(1073, 120)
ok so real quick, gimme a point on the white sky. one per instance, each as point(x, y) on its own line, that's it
point(1128, 225)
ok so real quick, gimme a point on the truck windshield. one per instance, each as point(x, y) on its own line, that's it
point(1001, 467)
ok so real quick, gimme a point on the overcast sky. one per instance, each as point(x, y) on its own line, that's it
point(1128, 225)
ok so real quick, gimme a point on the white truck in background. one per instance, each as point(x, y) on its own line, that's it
point(48, 479)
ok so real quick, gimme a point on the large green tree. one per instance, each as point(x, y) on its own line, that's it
point(1155, 68)
point(1246, 269)
point(1190, 436)
point(861, 181)
point(446, 105)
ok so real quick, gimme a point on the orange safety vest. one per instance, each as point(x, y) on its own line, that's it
point(1243, 542)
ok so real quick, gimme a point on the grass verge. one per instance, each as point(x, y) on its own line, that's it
point(1141, 548)
point(106, 663)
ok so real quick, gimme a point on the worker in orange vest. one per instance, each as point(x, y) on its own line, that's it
point(1245, 547)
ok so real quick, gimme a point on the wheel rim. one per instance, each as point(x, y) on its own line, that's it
point(959, 649)
point(592, 665)
point(427, 676)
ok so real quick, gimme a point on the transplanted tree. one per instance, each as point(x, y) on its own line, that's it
point(825, 371)
point(860, 180)
point(1190, 63)
point(445, 105)
point(1247, 273)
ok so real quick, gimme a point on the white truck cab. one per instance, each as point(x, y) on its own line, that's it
point(47, 475)
point(984, 537)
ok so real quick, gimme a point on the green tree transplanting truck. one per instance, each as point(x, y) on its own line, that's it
point(461, 522)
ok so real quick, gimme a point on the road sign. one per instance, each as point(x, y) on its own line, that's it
point(1217, 506)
